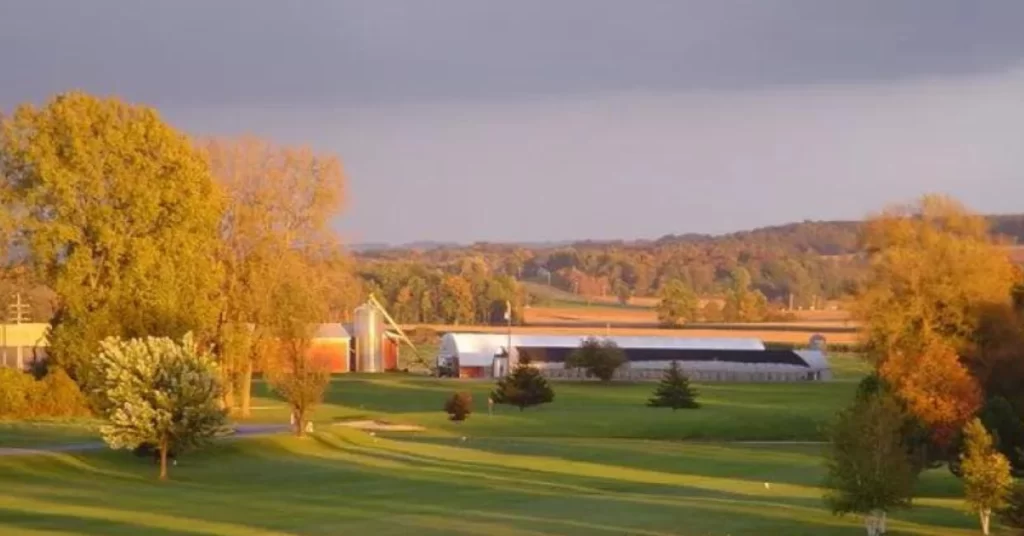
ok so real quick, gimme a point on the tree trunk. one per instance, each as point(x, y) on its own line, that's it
point(882, 528)
point(300, 421)
point(874, 522)
point(245, 388)
point(986, 515)
point(163, 459)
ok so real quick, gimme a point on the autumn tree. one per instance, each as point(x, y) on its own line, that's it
point(933, 266)
point(743, 303)
point(986, 474)
point(598, 358)
point(456, 300)
point(674, 391)
point(158, 391)
point(524, 387)
point(278, 199)
point(295, 373)
point(677, 305)
point(868, 469)
point(118, 215)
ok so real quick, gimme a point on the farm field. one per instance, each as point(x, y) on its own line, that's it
point(768, 333)
point(596, 461)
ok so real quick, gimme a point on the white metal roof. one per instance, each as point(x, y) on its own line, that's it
point(478, 349)
point(331, 331)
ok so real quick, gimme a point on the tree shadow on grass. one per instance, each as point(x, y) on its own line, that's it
point(13, 520)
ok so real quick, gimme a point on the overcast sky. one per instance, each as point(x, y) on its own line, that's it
point(496, 120)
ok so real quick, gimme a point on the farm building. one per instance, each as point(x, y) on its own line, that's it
point(482, 355)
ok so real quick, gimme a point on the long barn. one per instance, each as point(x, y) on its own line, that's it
point(482, 355)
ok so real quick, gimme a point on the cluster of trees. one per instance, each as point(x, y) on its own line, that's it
point(943, 309)
point(465, 292)
point(679, 304)
point(139, 231)
point(810, 261)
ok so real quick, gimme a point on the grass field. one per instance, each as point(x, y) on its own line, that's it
point(596, 461)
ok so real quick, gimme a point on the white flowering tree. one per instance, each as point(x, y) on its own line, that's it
point(158, 391)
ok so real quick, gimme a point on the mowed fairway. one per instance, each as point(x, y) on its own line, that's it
point(593, 462)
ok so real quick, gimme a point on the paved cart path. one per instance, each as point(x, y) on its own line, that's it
point(240, 431)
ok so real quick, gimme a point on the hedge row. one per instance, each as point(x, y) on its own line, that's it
point(56, 395)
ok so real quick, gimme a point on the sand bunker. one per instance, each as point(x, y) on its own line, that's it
point(380, 426)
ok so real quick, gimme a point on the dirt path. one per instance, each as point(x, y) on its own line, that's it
point(240, 431)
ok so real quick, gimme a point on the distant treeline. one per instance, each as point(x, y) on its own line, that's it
point(809, 262)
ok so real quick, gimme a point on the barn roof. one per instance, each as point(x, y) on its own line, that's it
point(331, 331)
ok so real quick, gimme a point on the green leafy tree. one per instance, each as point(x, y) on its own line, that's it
point(868, 469)
point(524, 388)
point(459, 406)
point(160, 392)
point(599, 358)
point(678, 304)
point(119, 215)
point(986, 473)
point(674, 391)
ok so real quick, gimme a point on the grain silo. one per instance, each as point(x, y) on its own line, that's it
point(369, 334)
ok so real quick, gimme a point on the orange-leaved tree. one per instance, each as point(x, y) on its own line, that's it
point(933, 268)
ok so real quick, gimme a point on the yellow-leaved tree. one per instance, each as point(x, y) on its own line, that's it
point(119, 215)
point(281, 202)
point(933, 268)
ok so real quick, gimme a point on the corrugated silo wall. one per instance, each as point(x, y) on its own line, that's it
point(706, 365)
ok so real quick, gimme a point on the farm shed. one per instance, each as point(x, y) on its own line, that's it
point(331, 344)
point(476, 355)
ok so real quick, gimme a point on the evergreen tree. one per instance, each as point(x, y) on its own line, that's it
point(674, 391)
point(523, 388)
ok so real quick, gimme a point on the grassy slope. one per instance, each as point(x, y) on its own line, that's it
point(345, 482)
point(586, 464)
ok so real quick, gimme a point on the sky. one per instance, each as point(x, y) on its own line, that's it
point(536, 120)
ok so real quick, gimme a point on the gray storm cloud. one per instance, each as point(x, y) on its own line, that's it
point(465, 120)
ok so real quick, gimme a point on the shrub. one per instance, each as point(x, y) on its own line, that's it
point(459, 406)
point(17, 393)
point(57, 395)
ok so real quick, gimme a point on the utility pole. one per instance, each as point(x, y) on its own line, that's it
point(508, 349)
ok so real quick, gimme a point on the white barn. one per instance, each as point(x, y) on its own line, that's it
point(482, 355)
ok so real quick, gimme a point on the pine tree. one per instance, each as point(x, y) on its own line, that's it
point(523, 388)
point(987, 480)
point(674, 391)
